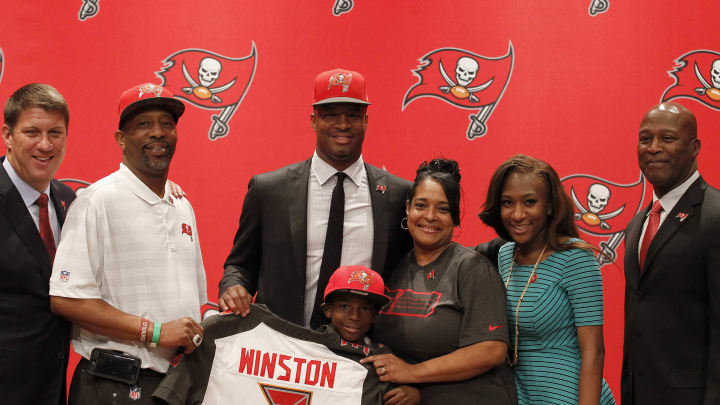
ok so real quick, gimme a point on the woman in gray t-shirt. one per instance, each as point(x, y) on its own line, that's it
point(447, 312)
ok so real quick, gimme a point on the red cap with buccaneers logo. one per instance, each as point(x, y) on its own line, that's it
point(358, 280)
point(340, 86)
point(145, 95)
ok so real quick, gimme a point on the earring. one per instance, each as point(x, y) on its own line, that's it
point(549, 212)
point(405, 227)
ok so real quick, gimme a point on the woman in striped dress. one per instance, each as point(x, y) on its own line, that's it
point(554, 287)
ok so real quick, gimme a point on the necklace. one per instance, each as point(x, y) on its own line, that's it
point(517, 307)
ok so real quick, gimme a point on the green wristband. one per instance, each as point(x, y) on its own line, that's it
point(156, 332)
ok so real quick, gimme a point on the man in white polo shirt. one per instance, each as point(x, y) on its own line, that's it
point(128, 272)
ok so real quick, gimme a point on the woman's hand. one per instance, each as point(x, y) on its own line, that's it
point(391, 368)
point(176, 190)
point(403, 394)
point(465, 362)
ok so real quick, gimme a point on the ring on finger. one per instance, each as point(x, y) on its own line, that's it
point(197, 339)
point(383, 371)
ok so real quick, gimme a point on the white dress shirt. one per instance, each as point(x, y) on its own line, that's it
point(29, 196)
point(357, 225)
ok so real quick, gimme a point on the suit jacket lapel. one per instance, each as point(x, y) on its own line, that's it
point(59, 204)
point(672, 222)
point(297, 181)
point(15, 212)
point(381, 210)
point(632, 241)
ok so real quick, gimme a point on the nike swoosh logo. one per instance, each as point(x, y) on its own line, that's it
point(493, 327)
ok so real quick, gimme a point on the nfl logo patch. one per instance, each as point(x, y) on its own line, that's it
point(134, 393)
point(64, 275)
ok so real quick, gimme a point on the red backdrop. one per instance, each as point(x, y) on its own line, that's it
point(567, 82)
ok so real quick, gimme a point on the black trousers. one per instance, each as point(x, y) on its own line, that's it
point(86, 389)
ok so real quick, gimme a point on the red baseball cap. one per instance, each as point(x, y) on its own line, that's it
point(340, 86)
point(147, 94)
point(358, 280)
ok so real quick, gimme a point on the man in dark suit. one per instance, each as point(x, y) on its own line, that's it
point(284, 237)
point(33, 342)
point(671, 349)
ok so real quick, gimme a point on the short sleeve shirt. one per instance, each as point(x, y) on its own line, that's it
point(455, 301)
point(138, 252)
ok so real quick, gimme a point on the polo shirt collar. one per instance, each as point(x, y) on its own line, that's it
point(323, 171)
point(140, 189)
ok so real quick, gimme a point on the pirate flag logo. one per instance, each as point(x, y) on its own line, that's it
point(210, 81)
point(89, 9)
point(342, 6)
point(463, 79)
point(697, 76)
point(603, 208)
point(285, 396)
point(598, 7)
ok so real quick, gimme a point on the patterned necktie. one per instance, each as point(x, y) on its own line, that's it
point(45, 230)
point(332, 251)
point(650, 231)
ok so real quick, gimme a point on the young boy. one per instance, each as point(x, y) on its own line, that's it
point(352, 301)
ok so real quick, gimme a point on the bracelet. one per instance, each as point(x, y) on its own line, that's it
point(143, 329)
point(156, 333)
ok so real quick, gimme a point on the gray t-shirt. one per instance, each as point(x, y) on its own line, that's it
point(455, 301)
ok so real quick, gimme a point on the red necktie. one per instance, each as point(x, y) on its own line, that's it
point(650, 231)
point(45, 230)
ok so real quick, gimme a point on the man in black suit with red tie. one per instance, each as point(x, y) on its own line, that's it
point(34, 343)
point(671, 349)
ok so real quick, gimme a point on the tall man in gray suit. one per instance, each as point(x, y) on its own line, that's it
point(33, 342)
point(295, 228)
point(671, 350)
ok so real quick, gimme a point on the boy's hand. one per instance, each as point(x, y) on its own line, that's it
point(404, 395)
point(391, 368)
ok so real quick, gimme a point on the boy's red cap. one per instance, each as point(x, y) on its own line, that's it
point(340, 86)
point(358, 280)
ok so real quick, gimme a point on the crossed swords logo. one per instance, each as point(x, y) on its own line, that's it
point(712, 92)
point(465, 72)
point(458, 90)
point(598, 198)
point(204, 92)
point(596, 203)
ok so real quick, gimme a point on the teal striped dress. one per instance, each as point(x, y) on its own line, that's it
point(566, 293)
